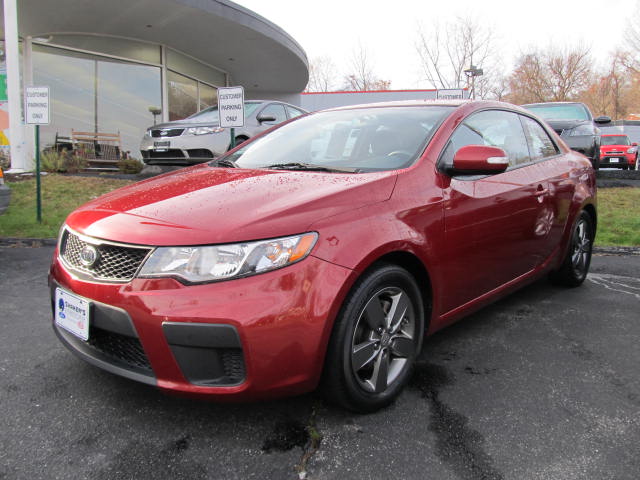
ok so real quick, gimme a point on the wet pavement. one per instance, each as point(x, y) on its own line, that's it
point(542, 385)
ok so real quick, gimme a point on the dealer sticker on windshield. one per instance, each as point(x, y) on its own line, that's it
point(72, 313)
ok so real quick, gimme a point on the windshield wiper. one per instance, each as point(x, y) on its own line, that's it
point(225, 162)
point(310, 167)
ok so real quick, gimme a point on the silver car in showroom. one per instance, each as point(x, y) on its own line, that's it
point(200, 138)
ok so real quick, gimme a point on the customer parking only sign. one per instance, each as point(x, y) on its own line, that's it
point(231, 106)
point(36, 111)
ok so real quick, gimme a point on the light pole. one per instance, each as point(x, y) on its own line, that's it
point(472, 72)
point(155, 111)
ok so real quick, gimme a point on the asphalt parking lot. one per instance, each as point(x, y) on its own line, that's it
point(542, 385)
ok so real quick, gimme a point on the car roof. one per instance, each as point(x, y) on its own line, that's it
point(614, 135)
point(404, 103)
point(550, 103)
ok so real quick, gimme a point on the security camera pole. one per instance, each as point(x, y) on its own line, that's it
point(231, 109)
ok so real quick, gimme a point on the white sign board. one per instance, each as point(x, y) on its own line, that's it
point(450, 94)
point(231, 106)
point(36, 105)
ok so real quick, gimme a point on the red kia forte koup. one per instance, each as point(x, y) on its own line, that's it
point(322, 252)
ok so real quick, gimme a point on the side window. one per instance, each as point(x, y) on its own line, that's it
point(293, 112)
point(274, 110)
point(540, 145)
point(492, 127)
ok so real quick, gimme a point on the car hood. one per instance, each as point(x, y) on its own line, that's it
point(206, 205)
point(559, 125)
point(184, 124)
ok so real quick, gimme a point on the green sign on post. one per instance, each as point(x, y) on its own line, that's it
point(3, 87)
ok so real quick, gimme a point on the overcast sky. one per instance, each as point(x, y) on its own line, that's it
point(388, 29)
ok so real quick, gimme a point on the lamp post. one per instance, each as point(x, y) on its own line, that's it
point(472, 72)
point(155, 111)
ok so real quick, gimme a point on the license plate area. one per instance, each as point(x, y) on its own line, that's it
point(614, 159)
point(162, 146)
point(72, 313)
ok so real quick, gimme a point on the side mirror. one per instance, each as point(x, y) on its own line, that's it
point(265, 118)
point(602, 119)
point(480, 160)
point(634, 144)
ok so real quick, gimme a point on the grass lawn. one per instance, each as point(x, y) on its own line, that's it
point(618, 216)
point(60, 195)
point(618, 208)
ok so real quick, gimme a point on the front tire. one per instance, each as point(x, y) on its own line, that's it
point(375, 340)
point(575, 265)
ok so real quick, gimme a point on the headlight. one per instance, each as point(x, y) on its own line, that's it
point(582, 130)
point(203, 130)
point(632, 150)
point(224, 262)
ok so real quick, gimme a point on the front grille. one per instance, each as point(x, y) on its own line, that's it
point(115, 263)
point(120, 348)
point(233, 364)
point(168, 132)
point(170, 153)
point(199, 153)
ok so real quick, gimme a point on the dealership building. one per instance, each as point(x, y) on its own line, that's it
point(117, 66)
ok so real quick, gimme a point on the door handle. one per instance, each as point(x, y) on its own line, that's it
point(541, 191)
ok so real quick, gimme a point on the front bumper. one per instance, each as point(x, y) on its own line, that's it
point(183, 149)
point(251, 338)
point(617, 160)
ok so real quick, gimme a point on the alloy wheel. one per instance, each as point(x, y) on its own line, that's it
point(383, 340)
point(581, 248)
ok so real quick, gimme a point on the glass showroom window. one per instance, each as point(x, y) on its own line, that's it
point(96, 94)
point(208, 96)
point(188, 96)
point(183, 96)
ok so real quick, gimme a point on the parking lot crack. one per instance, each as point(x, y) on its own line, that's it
point(459, 445)
point(313, 444)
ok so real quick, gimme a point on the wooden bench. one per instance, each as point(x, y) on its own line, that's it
point(102, 151)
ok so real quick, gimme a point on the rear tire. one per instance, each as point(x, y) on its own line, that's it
point(575, 265)
point(375, 340)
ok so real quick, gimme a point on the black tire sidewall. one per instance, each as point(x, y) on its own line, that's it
point(372, 282)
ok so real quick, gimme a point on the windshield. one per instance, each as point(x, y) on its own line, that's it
point(211, 114)
point(569, 111)
point(615, 140)
point(362, 139)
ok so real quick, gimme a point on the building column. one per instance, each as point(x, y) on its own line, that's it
point(27, 81)
point(165, 84)
point(19, 160)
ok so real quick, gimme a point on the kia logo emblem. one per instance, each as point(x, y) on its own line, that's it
point(88, 255)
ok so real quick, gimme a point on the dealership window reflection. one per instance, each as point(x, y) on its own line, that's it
point(96, 94)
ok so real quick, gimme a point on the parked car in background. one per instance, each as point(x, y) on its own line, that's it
point(617, 151)
point(199, 138)
point(574, 122)
point(322, 252)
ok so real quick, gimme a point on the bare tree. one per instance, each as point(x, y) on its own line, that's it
point(612, 94)
point(631, 54)
point(447, 50)
point(551, 75)
point(322, 75)
point(362, 76)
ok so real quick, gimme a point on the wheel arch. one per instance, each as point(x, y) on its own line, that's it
point(418, 270)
